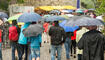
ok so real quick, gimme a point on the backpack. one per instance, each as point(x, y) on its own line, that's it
point(13, 34)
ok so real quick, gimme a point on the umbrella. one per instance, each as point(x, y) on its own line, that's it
point(67, 11)
point(85, 21)
point(91, 9)
point(65, 16)
point(54, 11)
point(33, 30)
point(68, 28)
point(15, 17)
point(3, 15)
point(79, 10)
point(55, 18)
point(29, 17)
point(47, 15)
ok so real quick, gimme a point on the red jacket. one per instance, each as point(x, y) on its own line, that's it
point(74, 35)
point(45, 26)
point(0, 35)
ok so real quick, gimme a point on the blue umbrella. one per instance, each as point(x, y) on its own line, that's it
point(68, 28)
point(29, 17)
point(55, 18)
point(3, 15)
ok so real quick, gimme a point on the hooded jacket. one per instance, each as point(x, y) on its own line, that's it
point(93, 45)
point(22, 38)
point(57, 34)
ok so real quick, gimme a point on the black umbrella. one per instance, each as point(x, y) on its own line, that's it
point(33, 30)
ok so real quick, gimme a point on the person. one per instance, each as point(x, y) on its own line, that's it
point(14, 32)
point(79, 33)
point(58, 37)
point(67, 44)
point(93, 44)
point(73, 43)
point(35, 43)
point(45, 26)
point(23, 42)
point(0, 43)
point(93, 15)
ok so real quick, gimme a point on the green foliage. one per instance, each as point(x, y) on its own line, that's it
point(20, 1)
point(101, 9)
point(4, 5)
point(87, 4)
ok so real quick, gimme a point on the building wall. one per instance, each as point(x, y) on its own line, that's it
point(37, 3)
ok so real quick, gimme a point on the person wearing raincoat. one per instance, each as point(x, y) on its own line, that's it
point(93, 44)
point(23, 42)
point(79, 33)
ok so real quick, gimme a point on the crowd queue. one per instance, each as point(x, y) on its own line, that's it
point(85, 43)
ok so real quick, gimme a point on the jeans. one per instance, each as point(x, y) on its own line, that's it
point(73, 46)
point(79, 56)
point(0, 51)
point(14, 47)
point(23, 49)
point(35, 53)
point(67, 47)
point(55, 48)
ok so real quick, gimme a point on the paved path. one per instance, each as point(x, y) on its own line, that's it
point(44, 53)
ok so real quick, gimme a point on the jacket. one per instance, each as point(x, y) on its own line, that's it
point(74, 35)
point(0, 35)
point(93, 45)
point(57, 35)
point(78, 36)
point(22, 38)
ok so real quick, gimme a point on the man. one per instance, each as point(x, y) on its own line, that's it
point(57, 34)
point(93, 44)
point(14, 31)
point(78, 36)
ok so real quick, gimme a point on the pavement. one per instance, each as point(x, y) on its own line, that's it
point(45, 55)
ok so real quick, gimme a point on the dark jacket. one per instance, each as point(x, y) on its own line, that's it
point(57, 34)
point(93, 45)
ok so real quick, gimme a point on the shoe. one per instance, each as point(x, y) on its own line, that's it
point(74, 56)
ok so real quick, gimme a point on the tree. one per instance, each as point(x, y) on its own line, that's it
point(100, 8)
point(5, 3)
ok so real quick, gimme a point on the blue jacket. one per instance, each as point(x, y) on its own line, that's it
point(22, 38)
point(35, 41)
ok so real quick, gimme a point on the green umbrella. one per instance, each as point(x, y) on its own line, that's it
point(15, 17)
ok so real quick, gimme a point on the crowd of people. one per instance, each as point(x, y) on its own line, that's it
point(86, 42)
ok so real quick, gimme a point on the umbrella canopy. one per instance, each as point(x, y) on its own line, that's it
point(46, 15)
point(15, 17)
point(65, 16)
point(33, 30)
point(85, 21)
point(91, 9)
point(54, 11)
point(29, 17)
point(79, 10)
point(67, 11)
point(3, 15)
point(55, 18)
point(68, 28)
